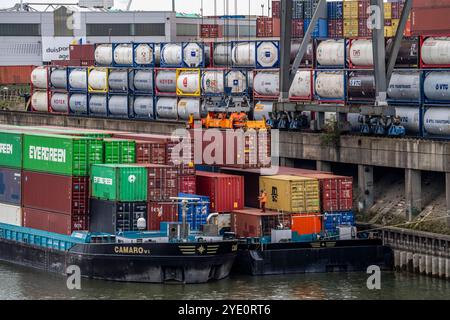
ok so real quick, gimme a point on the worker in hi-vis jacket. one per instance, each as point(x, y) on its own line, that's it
point(263, 200)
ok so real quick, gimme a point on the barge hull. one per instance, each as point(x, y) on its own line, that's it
point(96, 262)
point(358, 258)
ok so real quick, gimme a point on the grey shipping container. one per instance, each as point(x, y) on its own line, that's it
point(10, 186)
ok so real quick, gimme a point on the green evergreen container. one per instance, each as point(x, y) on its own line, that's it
point(120, 151)
point(119, 182)
point(96, 151)
point(57, 154)
point(11, 149)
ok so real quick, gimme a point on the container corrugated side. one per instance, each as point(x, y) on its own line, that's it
point(56, 154)
point(11, 186)
point(11, 149)
point(119, 182)
point(53, 221)
point(11, 214)
point(119, 151)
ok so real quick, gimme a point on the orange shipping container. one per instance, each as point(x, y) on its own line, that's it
point(10, 75)
point(305, 224)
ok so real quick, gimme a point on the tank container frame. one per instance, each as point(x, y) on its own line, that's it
point(90, 89)
point(360, 101)
point(305, 99)
point(341, 100)
point(247, 92)
point(151, 45)
point(47, 93)
point(430, 66)
point(202, 47)
point(69, 71)
point(317, 41)
point(134, 91)
point(276, 43)
point(156, 91)
point(196, 94)
point(138, 117)
point(129, 78)
point(425, 100)
point(112, 55)
point(129, 111)
point(50, 85)
point(246, 67)
point(50, 96)
point(257, 96)
point(115, 45)
point(423, 133)
point(87, 104)
point(155, 101)
point(408, 102)
point(349, 44)
point(202, 72)
point(96, 115)
point(213, 49)
point(162, 62)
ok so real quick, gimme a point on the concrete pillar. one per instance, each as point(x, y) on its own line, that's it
point(435, 267)
point(287, 162)
point(447, 192)
point(403, 261)
point(323, 166)
point(442, 267)
point(409, 262)
point(413, 192)
point(320, 120)
point(366, 188)
point(416, 260)
point(396, 260)
point(447, 268)
point(422, 268)
point(428, 265)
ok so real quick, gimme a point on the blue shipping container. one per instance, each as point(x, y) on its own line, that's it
point(196, 213)
point(335, 10)
point(332, 220)
point(320, 30)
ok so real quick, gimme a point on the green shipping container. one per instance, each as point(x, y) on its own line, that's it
point(57, 154)
point(96, 151)
point(119, 182)
point(120, 151)
point(11, 149)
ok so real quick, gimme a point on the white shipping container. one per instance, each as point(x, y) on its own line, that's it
point(10, 214)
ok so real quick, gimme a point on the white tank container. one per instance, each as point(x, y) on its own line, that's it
point(436, 50)
point(243, 54)
point(39, 101)
point(143, 81)
point(404, 86)
point(437, 121)
point(437, 86)
point(262, 108)
point(171, 54)
point(144, 54)
point(78, 79)
point(330, 85)
point(157, 54)
point(331, 53)
point(193, 55)
point(143, 106)
point(59, 102)
point(39, 78)
point(98, 104)
point(267, 54)
point(104, 54)
point(361, 53)
point(237, 81)
point(302, 85)
point(166, 81)
point(78, 103)
point(120, 80)
point(188, 82)
point(410, 118)
point(188, 106)
point(267, 83)
point(58, 78)
point(167, 108)
point(118, 105)
point(98, 79)
point(222, 54)
point(213, 82)
point(123, 54)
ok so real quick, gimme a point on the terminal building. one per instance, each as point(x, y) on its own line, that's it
point(36, 34)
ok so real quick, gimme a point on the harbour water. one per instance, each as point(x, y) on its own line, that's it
point(24, 283)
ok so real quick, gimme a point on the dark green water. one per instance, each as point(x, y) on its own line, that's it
point(24, 283)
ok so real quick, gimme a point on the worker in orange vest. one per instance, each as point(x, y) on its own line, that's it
point(263, 200)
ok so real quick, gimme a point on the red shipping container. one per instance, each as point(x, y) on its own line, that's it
point(161, 212)
point(362, 9)
point(10, 75)
point(298, 28)
point(276, 9)
point(87, 63)
point(75, 51)
point(88, 52)
point(162, 182)
point(226, 192)
point(363, 30)
point(305, 224)
point(53, 221)
point(209, 31)
point(56, 193)
point(253, 223)
point(267, 27)
point(151, 152)
point(187, 184)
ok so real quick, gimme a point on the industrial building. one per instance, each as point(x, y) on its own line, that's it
point(32, 34)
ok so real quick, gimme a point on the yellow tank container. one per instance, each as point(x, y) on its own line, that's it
point(350, 28)
point(388, 10)
point(291, 194)
point(351, 10)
